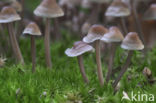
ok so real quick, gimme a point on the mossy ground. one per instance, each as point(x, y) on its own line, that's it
point(63, 83)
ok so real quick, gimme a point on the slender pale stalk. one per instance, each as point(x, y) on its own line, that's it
point(14, 44)
point(111, 60)
point(33, 53)
point(47, 43)
point(98, 61)
point(82, 70)
point(124, 26)
point(137, 21)
point(124, 69)
point(56, 29)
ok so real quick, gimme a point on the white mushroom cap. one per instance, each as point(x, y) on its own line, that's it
point(48, 9)
point(78, 49)
point(32, 29)
point(150, 14)
point(70, 3)
point(96, 32)
point(114, 35)
point(17, 6)
point(8, 14)
point(132, 42)
point(118, 9)
point(86, 4)
point(101, 1)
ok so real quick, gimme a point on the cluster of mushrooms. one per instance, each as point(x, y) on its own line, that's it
point(49, 9)
point(114, 36)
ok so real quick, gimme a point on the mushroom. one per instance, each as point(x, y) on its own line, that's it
point(134, 4)
point(8, 15)
point(131, 42)
point(150, 14)
point(48, 9)
point(77, 50)
point(113, 36)
point(33, 30)
point(119, 9)
point(94, 35)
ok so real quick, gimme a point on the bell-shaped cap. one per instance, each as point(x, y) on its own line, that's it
point(150, 14)
point(48, 9)
point(114, 35)
point(132, 42)
point(96, 32)
point(8, 14)
point(78, 49)
point(118, 9)
point(17, 6)
point(32, 29)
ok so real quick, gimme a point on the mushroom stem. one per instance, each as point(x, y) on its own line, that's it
point(111, 60)
point(56, 29)
point(47, 43)
point(98, 61)
point(124, 68)
point(124, 27)
point(14, 44)
point(82, 70)
point(137, 21)
point(33, 53)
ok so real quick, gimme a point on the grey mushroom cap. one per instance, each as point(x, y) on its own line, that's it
point(78, 49)
point(118, 9)
point(49, 9)
point(8, 14)
point(150, 14)
point(132, 42)
point(32, 29)
point(114, 35)
point(96, 32)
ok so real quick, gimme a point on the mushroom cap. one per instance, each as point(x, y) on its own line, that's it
point(101, 1)
point(96, 32)
point(8, 14)
point(118, 9)
point(32, 29)
point(78, 49)
point(70, 3)
point(48, 9)
point(132, 42)
point(150, 14)
point(114, 35)
point(17, 6)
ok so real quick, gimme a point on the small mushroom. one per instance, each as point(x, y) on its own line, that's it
point(48, 9)
point(8, 15)
point(33, 30)
point(94, 35)
point(119, 9)
point(150, 14)
point(131, 42)
point(77, 50)
point(137, 20)
point(113, 36)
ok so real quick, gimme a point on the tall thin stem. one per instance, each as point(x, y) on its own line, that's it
point(124, 68)
point(47, 43)
point(98, 61)
point(137, 21)
point(111, 60)
point(82, 70)
point(124, 26)
point(33, 53)
point(14, 44)
point(56, 29)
